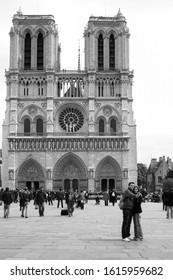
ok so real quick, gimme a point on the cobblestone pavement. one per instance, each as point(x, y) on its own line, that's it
point(93, 233)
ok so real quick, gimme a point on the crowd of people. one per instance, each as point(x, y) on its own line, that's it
point(132, 198)
point(40, 197)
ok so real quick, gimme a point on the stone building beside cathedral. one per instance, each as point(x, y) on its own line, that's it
point(69, 128)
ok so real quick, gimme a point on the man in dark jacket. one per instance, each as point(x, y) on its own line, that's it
point(60, 196)
point(40, 201)
point(128, 197)
point(7, 199)
point(169, 203)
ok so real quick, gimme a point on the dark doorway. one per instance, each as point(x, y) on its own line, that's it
point(36, 185)
point(104, 185)
point(111, 184)
point(28, 185)
point(66, 185)
point(75, 184)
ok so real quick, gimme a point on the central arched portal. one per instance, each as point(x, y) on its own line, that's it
point(70, 172)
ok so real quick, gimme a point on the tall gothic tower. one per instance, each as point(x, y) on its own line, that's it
point(69, 128)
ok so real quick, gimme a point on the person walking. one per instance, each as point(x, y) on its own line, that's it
point(169, 203)
point(137, 210)
point(7, 199)
point(128, 198)
point(81, 199)
point(60, 197)
point(70, 202)
point(40, 201)
point(24, 197)
point(106, 197)
point(113, 197)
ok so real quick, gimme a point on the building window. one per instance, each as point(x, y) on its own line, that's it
point(101, 127)
point(59, 88)
point(40, 89)
point(71, 119)
point(113, 127)
point(27, 126)
point(39, 126)
point(26, 89)
point(112, 90)
point(27, 52)
point(100, 89)
point(100, 52)
point(40, 51)
point(112, 52)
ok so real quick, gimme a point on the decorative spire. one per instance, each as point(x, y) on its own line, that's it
point(120, 16)
point(79, 57)
point(19, 12)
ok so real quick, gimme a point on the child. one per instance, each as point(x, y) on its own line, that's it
point(138, 234)
point(97, 199)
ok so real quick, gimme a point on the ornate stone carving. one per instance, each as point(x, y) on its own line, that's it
point(21, 105)
point(81, 144)
point(11, 174)
point(48, 174)
point(32, 110)
point(44, 105)
point(107, 111)
point(97, 105)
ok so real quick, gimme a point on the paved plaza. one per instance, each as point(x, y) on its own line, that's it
point(93, 233)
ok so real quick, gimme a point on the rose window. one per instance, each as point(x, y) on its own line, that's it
point(71, 119)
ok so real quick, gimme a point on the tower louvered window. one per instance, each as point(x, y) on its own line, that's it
point(27, 52)
point(100, 52)
point(112, 52)
point(40, 49)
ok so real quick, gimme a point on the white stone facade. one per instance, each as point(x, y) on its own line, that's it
point(69, 128)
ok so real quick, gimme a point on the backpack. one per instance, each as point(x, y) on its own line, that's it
point(121, 203)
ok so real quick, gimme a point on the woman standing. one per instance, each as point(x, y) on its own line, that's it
point(137, 210)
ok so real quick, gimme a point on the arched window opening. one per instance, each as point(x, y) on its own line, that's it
point(27, 126)
point(101, 127)
point(27, 52)
point(40, 51)
point(100, 52)
point(113, 127)
point(26, 89)
point(112, 52)
point(112, 91)
point(39, 126)
point(40, 88)
point(59, 88)
point(100, 89)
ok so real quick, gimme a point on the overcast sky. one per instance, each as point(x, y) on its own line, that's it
point(151, 56)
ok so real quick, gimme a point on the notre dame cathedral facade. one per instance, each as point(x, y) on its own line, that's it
point(69, 128)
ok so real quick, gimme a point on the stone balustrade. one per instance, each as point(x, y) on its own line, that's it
point(68, 144)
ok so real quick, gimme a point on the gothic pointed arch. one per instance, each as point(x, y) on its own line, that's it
point(40, 51)
point(108, 171)
point(30, 170)
point(70, 167)
point(27, 51)
point(111, 52)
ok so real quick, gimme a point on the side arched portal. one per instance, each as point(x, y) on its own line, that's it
point(31, 174)
point(108, 175)
point(70, 171)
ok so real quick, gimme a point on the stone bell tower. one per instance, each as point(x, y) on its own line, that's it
point(69, 128)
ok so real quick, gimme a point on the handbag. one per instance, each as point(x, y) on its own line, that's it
point(121, 203)
point(36, 206)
